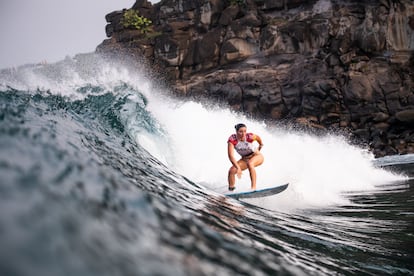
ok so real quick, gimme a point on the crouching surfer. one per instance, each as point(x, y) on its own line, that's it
point(251, 157)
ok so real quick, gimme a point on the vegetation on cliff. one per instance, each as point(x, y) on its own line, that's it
point(131, 18)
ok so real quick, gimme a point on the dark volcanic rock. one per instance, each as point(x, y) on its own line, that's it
point(327, 64)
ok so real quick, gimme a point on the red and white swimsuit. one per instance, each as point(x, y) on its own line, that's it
point(244, 148)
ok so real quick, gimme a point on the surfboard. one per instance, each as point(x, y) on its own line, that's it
point(259, 193)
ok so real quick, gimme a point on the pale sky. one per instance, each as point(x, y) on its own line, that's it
point(33, 31)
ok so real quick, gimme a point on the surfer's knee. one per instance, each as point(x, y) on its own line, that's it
point(250, 165)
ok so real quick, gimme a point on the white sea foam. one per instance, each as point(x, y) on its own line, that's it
point(319, 169)
point(65, 77)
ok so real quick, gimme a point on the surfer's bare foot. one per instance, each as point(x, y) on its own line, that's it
point(232, 188)
point(253, 188)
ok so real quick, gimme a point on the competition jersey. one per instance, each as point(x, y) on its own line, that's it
point(244, 148)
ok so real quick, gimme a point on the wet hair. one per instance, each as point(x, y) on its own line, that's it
point(238, 126)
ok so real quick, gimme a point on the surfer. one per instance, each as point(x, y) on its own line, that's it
point(251, 157)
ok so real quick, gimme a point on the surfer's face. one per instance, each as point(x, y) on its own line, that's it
point(241, 133)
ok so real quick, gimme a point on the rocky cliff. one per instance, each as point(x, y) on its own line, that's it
point(327, 64)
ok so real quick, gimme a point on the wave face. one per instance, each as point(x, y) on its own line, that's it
point(102, 173)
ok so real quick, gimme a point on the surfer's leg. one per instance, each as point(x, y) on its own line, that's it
point(252, 172)
point(253, 162)
point(233, 172)
point(232, 178)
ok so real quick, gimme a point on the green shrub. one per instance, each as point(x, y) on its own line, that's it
point(237, 2)
point(131, 18)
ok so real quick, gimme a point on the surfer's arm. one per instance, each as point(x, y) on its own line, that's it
point(259, 140)
point(230, 153)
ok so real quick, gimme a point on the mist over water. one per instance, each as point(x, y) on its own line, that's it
point(319, 169)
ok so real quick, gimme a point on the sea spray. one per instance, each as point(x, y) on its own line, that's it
point(319, 169)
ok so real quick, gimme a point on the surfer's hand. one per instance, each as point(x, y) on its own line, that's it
point(239, 173)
